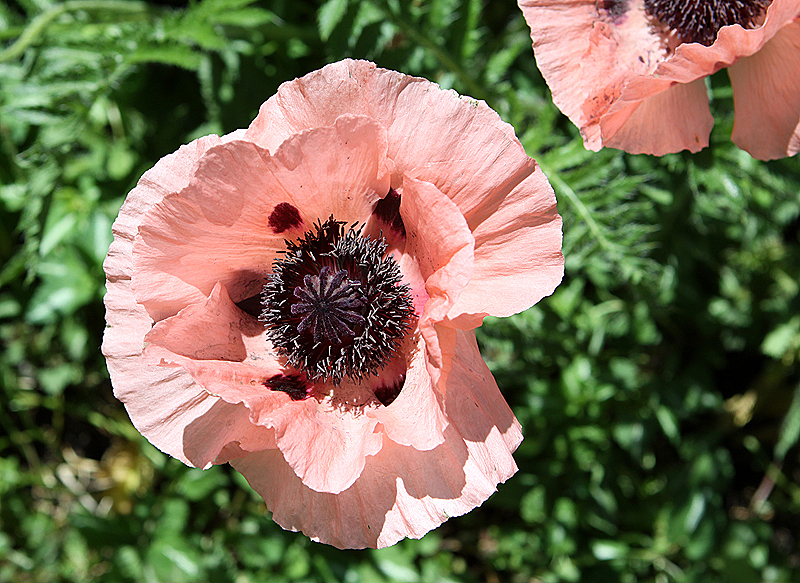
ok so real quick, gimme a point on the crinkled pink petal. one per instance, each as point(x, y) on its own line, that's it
point(457, 144)
point(440, 240)
point(472, 399)
point(404, 492)
point(170, 174)
point(766, 96)
point(615, 75)
point(216, 229)
point(586, 57)
point(214, 329)
point(233, 382)
point(188, 422)
point(222, 433)
point(686, 121)
point(183, 405)
point(415, 418)
point(517, 249)
point(439, 247)
point(325, 444)
point(223, 349)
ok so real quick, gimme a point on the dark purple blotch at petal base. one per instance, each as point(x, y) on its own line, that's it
point(251, 305)
point(386, 394)
point(388, 211)
point(614, 8)
point(284, 217)
point(293, 385)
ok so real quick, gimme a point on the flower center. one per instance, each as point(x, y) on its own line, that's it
point(700, 20)
point(334, 305)
point(330, 306)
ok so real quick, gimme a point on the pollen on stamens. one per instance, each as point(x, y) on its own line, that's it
point(700, 20)
point(334, 305)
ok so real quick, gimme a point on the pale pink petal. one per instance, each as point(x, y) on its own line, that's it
point(473, 400)
point(670, 121)
point(325, 444)
point(517, 249)
point(233, 382)
point(403, 492)
point(586, 55)
point(188, 423)
point(170, 174)
point(457, 144)
point(415, 418)
point(215, 329)
point(562, 33)
point(182, 403)
point(440, 356)
point(222, 433)
point(614, 73)
point(216, 229)
point(439, 238)
point(204, 331)
point(641, 111)
point(126, 322)
point(766, 95)
point(224, 349)
point(352, 519)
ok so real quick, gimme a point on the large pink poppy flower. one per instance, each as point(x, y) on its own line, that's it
point(631, 73)
point(299, 299)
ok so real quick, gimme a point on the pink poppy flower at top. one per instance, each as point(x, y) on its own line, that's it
point(631, 73)
point(299, 299)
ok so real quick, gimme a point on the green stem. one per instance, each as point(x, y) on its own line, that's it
point(37, 26)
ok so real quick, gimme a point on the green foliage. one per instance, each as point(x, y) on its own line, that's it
point(658, 388)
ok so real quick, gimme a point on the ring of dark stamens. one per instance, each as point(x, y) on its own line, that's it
point(700, 20)
point(334, 305)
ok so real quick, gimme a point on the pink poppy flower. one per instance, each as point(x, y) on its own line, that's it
point(299, 299)
point(631, 73)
